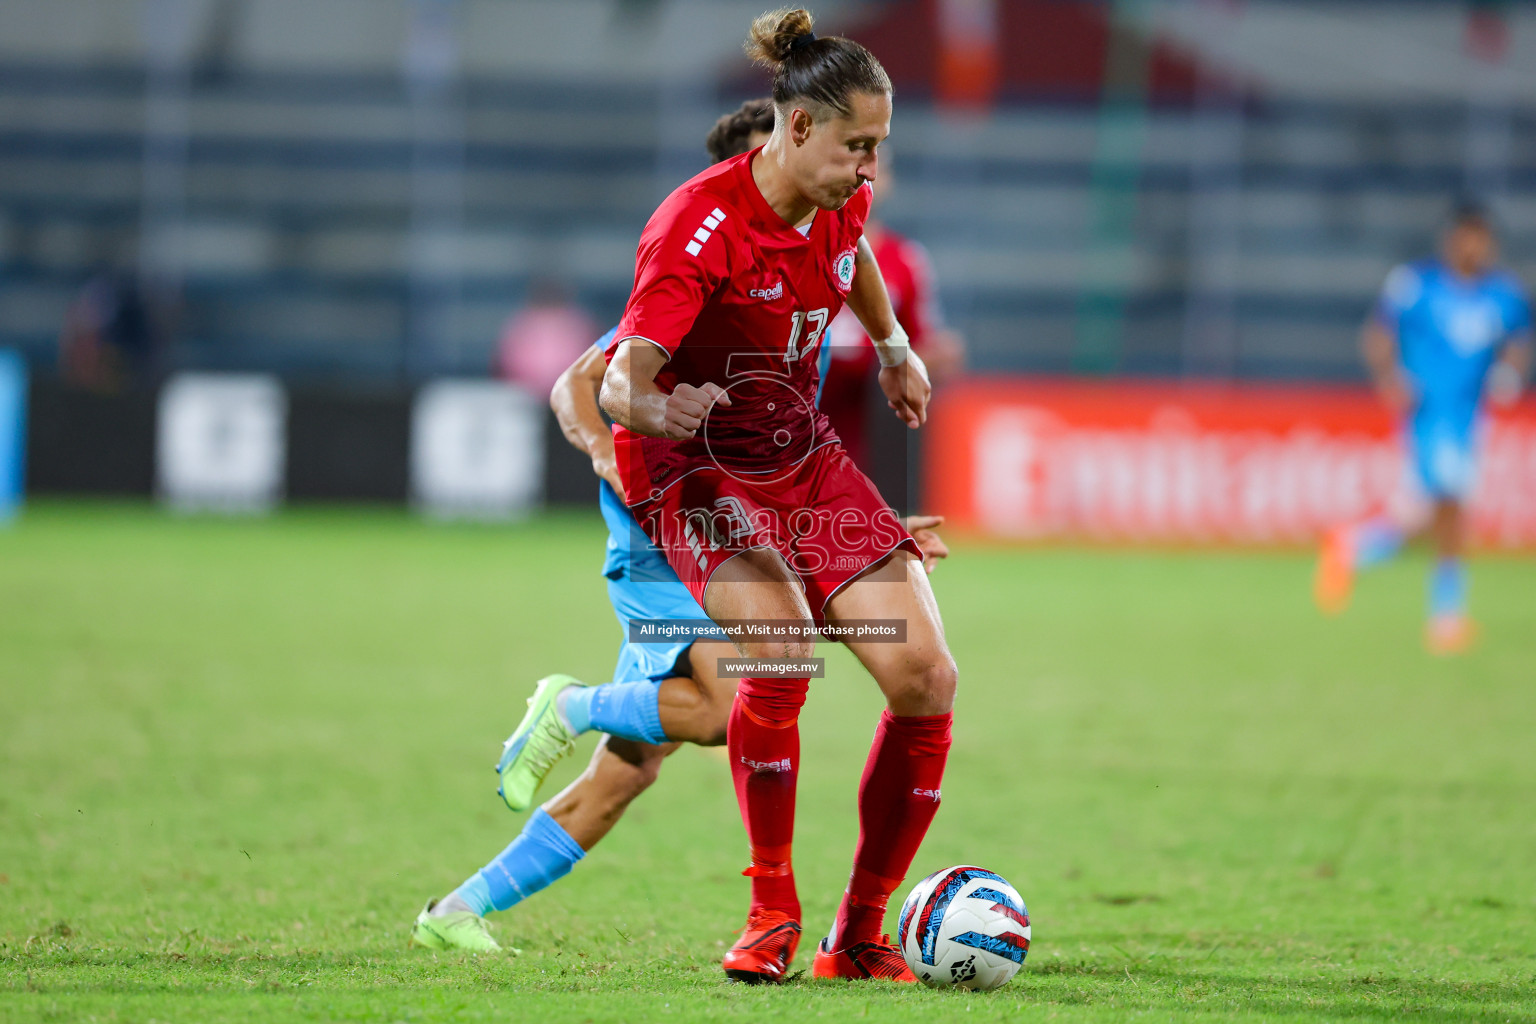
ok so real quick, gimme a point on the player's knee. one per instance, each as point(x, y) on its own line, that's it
point(646, 773)
point(940, 678)
point(780, 648)
point(631, 767)
point(636, 778)
point(927, 687)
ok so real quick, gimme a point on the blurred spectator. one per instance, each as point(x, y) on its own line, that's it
point(108, 339)
point(848, 382)
point(539, 341)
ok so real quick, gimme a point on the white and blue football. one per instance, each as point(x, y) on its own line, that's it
point(964, 927)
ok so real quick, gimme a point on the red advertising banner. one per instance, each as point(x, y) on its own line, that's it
point(1166, 462)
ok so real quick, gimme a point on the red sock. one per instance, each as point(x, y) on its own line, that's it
point(763, 738)
point(898, 798)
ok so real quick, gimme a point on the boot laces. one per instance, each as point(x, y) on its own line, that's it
point(546, 745)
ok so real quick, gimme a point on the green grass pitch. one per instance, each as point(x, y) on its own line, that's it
point(238, 756)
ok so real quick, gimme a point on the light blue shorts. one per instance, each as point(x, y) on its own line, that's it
point(650, 599)
point(1443, 457)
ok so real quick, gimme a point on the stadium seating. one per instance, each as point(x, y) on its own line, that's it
point(298, 216)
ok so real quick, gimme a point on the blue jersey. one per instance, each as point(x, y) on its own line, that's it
point(1449, 332)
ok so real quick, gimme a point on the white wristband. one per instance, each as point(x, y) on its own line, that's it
point(893, 350)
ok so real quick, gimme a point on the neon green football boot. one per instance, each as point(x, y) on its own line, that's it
point(541, 738)
point(461, 929)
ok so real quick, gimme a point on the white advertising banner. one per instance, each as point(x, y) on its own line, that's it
point(477, 450)
point(221, 442)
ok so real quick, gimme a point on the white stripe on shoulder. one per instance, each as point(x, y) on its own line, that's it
point(705, 231)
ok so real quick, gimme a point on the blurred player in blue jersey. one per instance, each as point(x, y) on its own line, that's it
point(662, 694)
point(1447, 335)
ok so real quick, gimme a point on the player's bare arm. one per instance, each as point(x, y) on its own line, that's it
point(1378, 344)
point(903, 377)
point(574, 401)
point(631, 396)
point(869, 299)
point(1506, 380)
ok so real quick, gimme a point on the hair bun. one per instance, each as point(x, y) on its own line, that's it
point(826, 71)
point(777, 34)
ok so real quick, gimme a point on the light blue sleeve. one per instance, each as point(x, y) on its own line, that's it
point(1401, 292)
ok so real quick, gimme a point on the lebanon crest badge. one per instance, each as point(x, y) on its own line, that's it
point(844, 269)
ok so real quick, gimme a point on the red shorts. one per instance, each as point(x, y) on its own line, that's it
point(823, 515)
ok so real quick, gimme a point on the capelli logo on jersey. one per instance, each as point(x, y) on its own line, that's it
point(928, 794)
point(768, 294)
point(781, 765)
point(844, 268)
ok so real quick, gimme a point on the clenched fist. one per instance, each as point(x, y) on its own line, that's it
point(687, 406)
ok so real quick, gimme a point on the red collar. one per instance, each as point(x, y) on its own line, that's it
point(765, 216)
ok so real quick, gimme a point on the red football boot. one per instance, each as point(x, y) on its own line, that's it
point(764, 951)
point(868, 959)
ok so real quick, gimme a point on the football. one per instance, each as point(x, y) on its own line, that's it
point(964, 927)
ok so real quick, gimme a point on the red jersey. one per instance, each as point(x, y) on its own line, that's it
point(736, 297)
point(845, 392)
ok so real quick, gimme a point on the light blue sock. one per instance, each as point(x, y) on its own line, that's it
point(542, 853)
point(630, 711)
point(476, 893)
point(1376, 540)
point(575, 703)
point(1448, 588)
